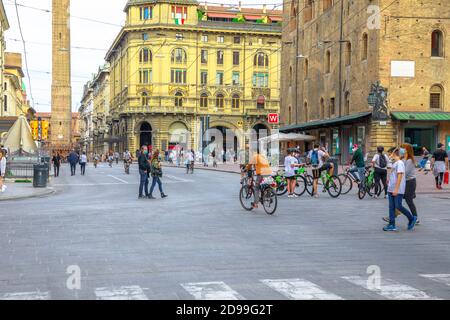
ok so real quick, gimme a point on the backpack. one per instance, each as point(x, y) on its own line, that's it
point(315, 158)
point(382, 161)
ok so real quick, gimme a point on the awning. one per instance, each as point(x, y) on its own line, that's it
point(276, 18)
point(327, 122)
point(221, 15)
point(421, 116)
point(252, 17)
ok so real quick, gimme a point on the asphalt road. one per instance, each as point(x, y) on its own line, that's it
point(200, 244)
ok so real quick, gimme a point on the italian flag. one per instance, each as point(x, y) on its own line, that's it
point(179, 14)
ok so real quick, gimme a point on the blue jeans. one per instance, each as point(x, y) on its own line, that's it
point(143, 183)
point(396, 203)
point(361, 175)
point(156, 180)
point(422, 163)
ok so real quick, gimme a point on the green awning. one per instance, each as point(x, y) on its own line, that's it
point(326, 123)
point(421, 116)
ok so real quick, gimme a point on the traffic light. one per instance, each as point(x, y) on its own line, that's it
point(34, 129)
point(45, 125)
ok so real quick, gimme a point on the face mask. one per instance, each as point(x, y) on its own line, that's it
point(402, 152)
point(146, 152)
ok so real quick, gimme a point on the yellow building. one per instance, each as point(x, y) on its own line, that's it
point(178, 66)
point(14, 95)
point(4, 25)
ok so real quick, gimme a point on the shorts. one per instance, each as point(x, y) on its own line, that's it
point(291, 178)
point(316, 173)
point(326, 166)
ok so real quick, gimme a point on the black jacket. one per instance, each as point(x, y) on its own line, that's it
point(143, 163)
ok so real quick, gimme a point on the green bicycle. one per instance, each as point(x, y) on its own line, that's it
point(331, 184)
point(370, 188)
point(300, 186)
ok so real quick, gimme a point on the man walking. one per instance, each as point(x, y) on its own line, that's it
point(56, 163)
point(144, 171)
point(73, 160)
point(440, 165)
point(83, 161)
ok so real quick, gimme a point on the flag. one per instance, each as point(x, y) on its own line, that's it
point(179, 14)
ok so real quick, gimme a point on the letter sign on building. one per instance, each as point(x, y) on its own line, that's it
point(273, 118)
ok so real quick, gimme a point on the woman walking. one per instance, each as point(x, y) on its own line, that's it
point(2, 170)
point(440, 165)
point(156, 171)
point(83, 161)
point(410, 175)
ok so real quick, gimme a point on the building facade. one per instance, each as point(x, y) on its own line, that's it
point(180, 67)
point(85, 112)
point(336, 51)
point(4, 25)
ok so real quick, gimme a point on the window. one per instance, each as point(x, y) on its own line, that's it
point(179, 14)
point(348, 54)
point(204, 77)
point(204, 38)
point(332, 106)
point(220, 57)
point(178, 99)
point(204, 56)
point(261, 60)
point(220, 101)
point(5, 103)
point(322, 108)
point(290, 76)
point(305, 111)
point(236, 56)
point(145, 56)
point(437, 44)
point(179, 56)
point(144, 99)
point(178, 76)
point(220, 39)
point(306, 68)
point(261, 102)
point(145, 36)
point(289, 115)
point(5, 86)
point(235, 101)
point(347, 103)
point(328, 62)
point(146, 13)
point(145, 76)
point(179, 36)
point(203, 100)
point(260, 80)
point(365, 47)
point(436, 97)
point(236, 79)
point(219, 78)
point(237, 40)
point(327, 4)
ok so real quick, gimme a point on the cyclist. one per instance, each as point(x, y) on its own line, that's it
point(127, 158)
point(316, 158)
point(360, 166)
point(380, 164)
point(261, 165)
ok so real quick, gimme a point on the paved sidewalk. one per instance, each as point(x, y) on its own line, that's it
point(19, 191)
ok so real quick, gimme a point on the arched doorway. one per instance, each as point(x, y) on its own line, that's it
point(259, 131)
point(227, 140)
point(145, 135)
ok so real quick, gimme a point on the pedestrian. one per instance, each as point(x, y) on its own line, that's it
point(290, 163)
point(56, 160)
point(360, 166)
point(380, 163)
point(316, 158)
point(116, 157)
point(425, 158)
point(193, 156)
point(440, 165)
point(2, 170)
point(189, 162)
point(83, 161)
point(396, 192)
point(73, 161)
point(213, 156)
point(144, 171)
point(410, 175)
point(156, 171)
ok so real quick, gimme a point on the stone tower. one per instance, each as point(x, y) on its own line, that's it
point(61, 119)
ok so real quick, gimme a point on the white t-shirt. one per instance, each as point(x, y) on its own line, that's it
point(83, 158)
point(320, 154)
point(397, 167)
point(289, 170)
point(376, 160)
point(190, 156)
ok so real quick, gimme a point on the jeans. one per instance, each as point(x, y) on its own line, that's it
point(381, 176)
point(73, 168)
point(56, 170)
point(395, 203)
point(143, 183)
point(422, 163)
point(361, 175)
point(410, 194)
point(83, 168)
point(156, 180)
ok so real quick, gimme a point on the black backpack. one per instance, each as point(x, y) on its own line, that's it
point(382, 161)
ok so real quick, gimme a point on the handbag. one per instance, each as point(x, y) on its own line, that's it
point(446, 178)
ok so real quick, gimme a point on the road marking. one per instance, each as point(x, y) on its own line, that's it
point(87, 184)
point(299, 289)
point(440, 278)
point(391, 289)
point(121, 293)
point(211, 291)
point(178, 179)
point(118, 179)
point(36, 295)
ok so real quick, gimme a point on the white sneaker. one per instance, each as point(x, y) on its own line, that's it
point(294, 196)
point(289, 195)
point(4, 188)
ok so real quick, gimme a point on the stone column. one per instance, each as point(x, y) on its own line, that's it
point(382, 133)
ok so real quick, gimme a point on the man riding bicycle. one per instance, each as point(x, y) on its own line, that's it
point(360, 166)
point(261, 166)
point(317, 156)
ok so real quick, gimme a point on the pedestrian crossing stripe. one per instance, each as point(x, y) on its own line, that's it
point(120, 293)
point(299, 289)
point(211, 291)
point(391, 289)
point(35, 295)
point(440, 278)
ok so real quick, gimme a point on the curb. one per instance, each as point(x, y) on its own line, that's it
point(48, 192)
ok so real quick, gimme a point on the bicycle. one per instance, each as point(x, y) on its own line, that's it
point(370, 187)
point(268, 197)
point(347, 181)
point(331, 184)
point(300, 186)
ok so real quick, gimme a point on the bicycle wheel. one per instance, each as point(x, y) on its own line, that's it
point(309, 185)
point(361, 193)
point(281, 188)
point(334, 187)
point(300, 186)
point(246, 197)
point(269, 201)
point(346, 182)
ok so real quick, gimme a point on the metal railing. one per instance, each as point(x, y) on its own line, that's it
point(19, 169)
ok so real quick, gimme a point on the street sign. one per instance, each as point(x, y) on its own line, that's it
point(273, 118)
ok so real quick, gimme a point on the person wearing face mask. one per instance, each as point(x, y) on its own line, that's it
point(360, 166)
point(440, 165)
point(144, 170)
point(380, 163)
point(396, 191)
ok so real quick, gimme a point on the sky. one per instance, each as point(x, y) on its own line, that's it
point(90, 40)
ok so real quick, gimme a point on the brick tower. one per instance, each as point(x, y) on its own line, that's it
point(61, 119)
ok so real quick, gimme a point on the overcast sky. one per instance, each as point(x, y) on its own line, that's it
point(36, 26)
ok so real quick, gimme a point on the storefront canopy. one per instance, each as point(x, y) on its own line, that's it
point(327, 122)
point(421, 116)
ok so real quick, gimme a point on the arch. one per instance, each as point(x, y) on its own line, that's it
point(179, 133)
point(235, 101)
point(145, 134)
point(179, 55)
point(204, 100)
point(220, 101)
point(365, 46)
point(437, 43)
point(261, 60)
point(222, 138)
point(145, 55)
point(179, 99)
point(436, 97)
